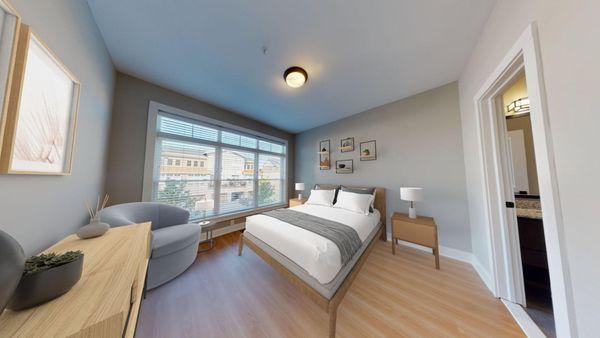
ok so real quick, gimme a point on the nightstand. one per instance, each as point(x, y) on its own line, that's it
point(294, 202)
point(421, 230)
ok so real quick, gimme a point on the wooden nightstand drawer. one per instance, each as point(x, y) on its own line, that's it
point(415, 233)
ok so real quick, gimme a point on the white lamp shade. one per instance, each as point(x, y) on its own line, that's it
point(299, 186)
point(411, 194)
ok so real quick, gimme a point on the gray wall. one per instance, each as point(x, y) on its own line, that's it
point(124, 180)
point(39, 210)
point(418, 144)
point(569, 48)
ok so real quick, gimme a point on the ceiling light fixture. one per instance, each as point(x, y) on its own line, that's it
point(520, 106)
point(295, 77)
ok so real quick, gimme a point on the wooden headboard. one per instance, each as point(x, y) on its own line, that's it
point(380, 202)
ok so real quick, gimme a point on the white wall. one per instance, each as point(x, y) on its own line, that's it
point(39, 210)
point(418, 144)
point(570, 48)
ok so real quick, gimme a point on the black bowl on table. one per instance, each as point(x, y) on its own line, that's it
point(42, 286)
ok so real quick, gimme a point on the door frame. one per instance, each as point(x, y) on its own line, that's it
point(504, 251)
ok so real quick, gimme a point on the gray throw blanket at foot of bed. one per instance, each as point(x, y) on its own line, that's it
point(345, 237)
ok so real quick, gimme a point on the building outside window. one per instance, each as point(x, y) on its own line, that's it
point(245, 171)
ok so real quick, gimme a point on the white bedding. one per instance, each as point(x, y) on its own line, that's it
point(316, 254)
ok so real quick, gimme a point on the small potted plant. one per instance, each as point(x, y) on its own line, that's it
point(46, 276)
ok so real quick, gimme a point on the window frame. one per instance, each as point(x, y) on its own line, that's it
point(151, 167)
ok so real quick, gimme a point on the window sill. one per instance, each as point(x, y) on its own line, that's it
point(228, 217)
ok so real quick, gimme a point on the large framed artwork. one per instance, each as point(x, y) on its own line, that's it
point(325, 155)
point(42, 112)
point(10, 22)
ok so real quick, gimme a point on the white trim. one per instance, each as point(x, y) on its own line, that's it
point(522, 318)
point(502, 253)
point(483, 273)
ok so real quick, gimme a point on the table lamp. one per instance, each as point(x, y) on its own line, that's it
point(412, 195)
point(300, 187)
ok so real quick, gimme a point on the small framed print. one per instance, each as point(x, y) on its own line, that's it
point(344, 167)
point(325, 155)
point(368, 151)
point(347, 145)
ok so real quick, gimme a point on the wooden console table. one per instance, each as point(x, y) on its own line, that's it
point(106, 300)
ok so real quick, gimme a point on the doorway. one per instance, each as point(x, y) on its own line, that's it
point(500, 182)
point(523, 176)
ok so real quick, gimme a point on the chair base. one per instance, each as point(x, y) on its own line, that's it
point(163, 269)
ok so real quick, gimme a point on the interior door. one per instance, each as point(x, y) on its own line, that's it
point(507, 180)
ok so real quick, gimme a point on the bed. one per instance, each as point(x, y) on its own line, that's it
point(311, 262)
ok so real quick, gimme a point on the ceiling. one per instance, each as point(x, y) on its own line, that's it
point(358, 54)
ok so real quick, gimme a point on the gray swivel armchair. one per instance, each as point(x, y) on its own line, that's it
point(174, 240)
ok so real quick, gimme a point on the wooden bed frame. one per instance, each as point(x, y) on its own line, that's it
point(329, 305)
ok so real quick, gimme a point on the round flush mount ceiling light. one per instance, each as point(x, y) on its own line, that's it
point(295, 77)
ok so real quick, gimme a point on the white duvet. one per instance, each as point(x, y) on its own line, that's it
point(316, 254)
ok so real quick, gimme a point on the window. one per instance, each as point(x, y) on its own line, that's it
point(216, 170)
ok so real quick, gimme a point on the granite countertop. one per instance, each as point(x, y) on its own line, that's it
point(529, 208)
point(529, 213)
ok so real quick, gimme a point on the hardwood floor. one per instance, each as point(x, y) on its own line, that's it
point(223, 295)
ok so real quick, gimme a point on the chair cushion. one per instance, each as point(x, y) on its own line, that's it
point(167, 240)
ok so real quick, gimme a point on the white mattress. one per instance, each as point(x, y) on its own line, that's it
point(316, 254)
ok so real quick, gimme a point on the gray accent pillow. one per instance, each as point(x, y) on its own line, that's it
point(337, 189)
point(369, 191)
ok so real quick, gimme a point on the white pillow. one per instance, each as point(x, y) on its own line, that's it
point(321, 197)
point(351, 201)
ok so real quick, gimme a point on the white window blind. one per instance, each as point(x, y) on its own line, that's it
point(212, 171)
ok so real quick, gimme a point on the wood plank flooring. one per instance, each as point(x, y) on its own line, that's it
point(223, 295)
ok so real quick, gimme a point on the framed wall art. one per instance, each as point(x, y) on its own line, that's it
point(344, 167)
point(10, 23)
point(41, 118)
point(368, 151)
point(325, 155)
point(347, 145)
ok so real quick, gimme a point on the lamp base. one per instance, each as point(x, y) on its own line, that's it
point(299, 196)
point(412, 212)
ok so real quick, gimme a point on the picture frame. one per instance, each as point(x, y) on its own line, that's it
point(347, 145)
point(368, 150)
point(325, 155)
point(344, 166)
point(41, 118)
point(11, 24)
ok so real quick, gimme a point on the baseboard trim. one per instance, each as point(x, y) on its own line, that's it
point(483, 274)
point(522, 318)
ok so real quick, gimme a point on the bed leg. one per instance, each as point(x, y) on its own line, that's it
point(241, 244)
point(332, 320)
